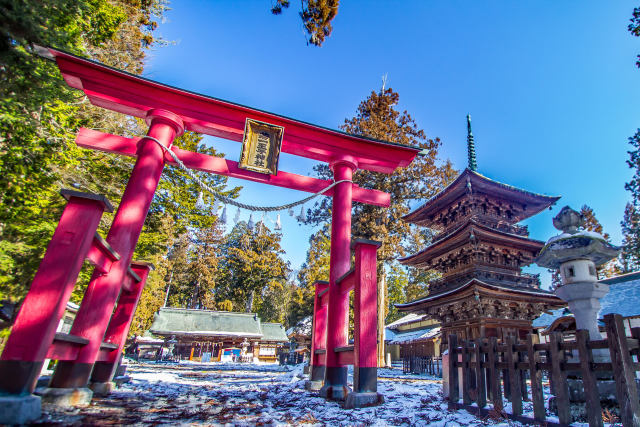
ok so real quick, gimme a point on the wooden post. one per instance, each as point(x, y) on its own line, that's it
point(623, 371)
point(537, 397)
point(36, 323)
point(514, 376)
point(466, 374)
point(494, 374)
point(454, 394)
point(480, 376)
point(556, 354)
point(365, 363)
point(589, 382)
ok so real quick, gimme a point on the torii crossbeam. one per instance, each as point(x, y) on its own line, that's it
point(98, 334)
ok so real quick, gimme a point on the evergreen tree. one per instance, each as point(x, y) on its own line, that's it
point(316, 15)
point(630, 257)
point(315, 268)
point(630, 223)
point(250, 264)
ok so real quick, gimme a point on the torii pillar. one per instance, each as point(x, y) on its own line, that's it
point(99, 300)
point(335, 381)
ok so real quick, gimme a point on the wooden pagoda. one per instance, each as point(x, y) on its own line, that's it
point(480, 249)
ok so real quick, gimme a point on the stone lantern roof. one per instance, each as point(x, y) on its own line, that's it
point(573, 243)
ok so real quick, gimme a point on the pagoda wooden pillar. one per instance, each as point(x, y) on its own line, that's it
point(335, 381)
point(99, 300)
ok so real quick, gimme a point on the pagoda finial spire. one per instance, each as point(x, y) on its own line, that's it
point(471, 147)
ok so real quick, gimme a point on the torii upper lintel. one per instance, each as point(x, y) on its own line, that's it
point(130, 94)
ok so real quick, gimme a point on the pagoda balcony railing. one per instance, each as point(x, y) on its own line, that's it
point(508, 278)
point(489, 221)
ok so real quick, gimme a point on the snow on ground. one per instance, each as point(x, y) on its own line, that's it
point(244, 394)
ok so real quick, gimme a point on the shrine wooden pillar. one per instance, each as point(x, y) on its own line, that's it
point(35, 327)
point(335, 381)
point(100, 297)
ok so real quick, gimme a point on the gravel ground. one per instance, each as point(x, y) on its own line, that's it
point(241, 394)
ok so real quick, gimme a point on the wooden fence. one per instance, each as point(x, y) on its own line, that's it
point(491, 370)
point(422, 365)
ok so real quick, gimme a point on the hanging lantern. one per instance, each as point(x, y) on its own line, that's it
point(236, 218)
point(200, 202)
point(250, 224)
point(278, 226)
point(223, 218)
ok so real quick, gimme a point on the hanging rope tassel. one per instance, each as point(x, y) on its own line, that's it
point(200, 202)
point(223, 218)
point(250, 224)
point(302, 217)
point(278, 226)
point(236, 218)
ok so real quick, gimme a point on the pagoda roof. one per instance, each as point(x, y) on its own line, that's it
point(529, 293)
point(460, 236)
point(533, 202)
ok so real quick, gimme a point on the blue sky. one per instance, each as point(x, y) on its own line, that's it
point(551, 86)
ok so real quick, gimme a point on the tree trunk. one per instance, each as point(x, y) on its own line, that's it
point(249, 304)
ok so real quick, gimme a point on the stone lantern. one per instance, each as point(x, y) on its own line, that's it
point(577, 253)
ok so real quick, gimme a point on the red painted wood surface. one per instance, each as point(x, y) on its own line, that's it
point(100, 297)
point(345, 357)
point(35, 326)
point(340, 261)
point(101, 255)
point(348, 281)
point(60, 350)
point(365, 305)
point(109, 143)
point(123, 314)
point(133, 95)
point(319, 324)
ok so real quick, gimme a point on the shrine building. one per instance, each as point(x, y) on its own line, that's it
point(480, 250)
point(209, 336)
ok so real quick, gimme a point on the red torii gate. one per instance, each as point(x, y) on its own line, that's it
point(98, 334)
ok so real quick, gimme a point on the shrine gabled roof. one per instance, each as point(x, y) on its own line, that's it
point(182, 321)
point(480, 184)
point(273, 332)
point(134, 95)
point(460, 237)
point(517, 290)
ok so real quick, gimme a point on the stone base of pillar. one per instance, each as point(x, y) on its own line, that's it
point(19, 409)
point(65, 397)
point(333, 392)
point(362, 400)
point(311, 385)
point(445, 374)
point(102, 389)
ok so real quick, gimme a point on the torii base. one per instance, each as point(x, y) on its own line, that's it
point(363, 400)
point(335, 392)
point(102, 389)
point(65, 397)
point(311, 385)
point(20, 409)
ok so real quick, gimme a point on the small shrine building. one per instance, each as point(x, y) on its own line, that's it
point(480, 250)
